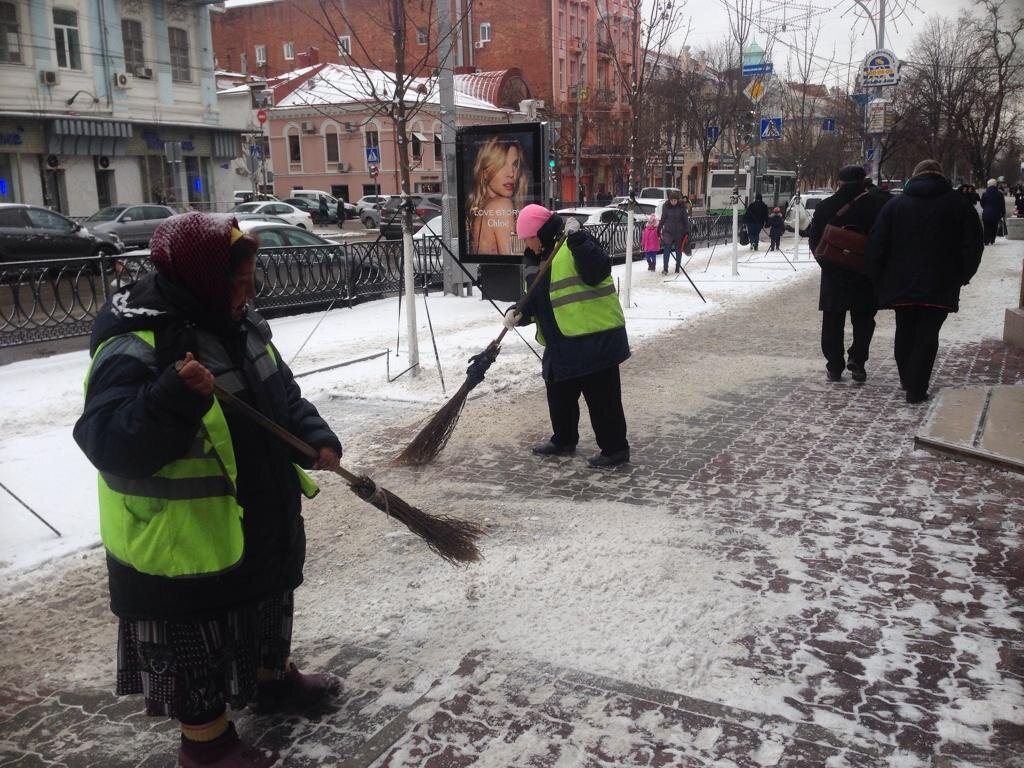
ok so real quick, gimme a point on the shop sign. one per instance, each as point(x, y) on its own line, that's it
point(880, 69)
point(10, 138)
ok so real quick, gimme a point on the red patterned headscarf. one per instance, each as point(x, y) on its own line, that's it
point(193, 250)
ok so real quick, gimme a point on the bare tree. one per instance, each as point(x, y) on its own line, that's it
point(650, 26)
point(389, 83)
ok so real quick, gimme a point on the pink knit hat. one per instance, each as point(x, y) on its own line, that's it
point(530, 220)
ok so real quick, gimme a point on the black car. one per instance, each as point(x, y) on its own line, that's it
point(425, 207)
point(28, 233)
point(313, 209)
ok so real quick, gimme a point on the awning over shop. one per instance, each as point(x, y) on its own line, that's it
point(76, 136)
point(226, 145)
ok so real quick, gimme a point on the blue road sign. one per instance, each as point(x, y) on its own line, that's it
point(713, 132)
point(755, 70)
point(256, 151)
point(871, 155)
point(771, 128)
point(828, 125)
point(373, 155)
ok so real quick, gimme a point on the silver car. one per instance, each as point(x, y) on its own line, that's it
point(134, 224)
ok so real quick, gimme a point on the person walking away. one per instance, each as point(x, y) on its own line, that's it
point(583, 331)
point(755, 217)
point(1018, 200)
point(776, 226)
point(673, 228)
point(324, 211)
point(844, 290)
point(993, 209)
point(200, 510)
point(651, 242)
point(925, 245)
point(340, 213)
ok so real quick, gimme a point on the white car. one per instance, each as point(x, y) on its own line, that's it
point(594, 216)
point(370, 201)
point(657, 193)
point(432, 228)
point(289, 213)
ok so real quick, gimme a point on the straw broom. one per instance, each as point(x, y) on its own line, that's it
point(452, 539)
point(435, 434)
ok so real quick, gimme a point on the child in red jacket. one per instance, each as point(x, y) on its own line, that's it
point(651, 243)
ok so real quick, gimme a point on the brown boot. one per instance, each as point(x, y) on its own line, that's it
point(296, 692)
point(226, 751)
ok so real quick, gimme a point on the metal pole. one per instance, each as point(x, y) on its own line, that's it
point(579, 120)
point(446, 82)
point(26, 506)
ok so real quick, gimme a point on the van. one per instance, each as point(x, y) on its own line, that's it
point(315, 195)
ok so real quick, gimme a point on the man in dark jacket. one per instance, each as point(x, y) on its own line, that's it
point(925, 245)
point(993, 210)
point(200, 509)
point(755, 218)
point(843, 290)
point(582, 328)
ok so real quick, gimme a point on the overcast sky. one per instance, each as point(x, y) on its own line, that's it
point(710, 23)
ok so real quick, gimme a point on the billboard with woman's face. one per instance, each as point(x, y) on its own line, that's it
point(499, 171)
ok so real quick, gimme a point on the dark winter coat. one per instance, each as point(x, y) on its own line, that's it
point(137, 419)
point(565, 357)
point(674, 224)
point(842, 289)
point(776, 225)
point(993, 205)
point(756, 214)
point(925, 245)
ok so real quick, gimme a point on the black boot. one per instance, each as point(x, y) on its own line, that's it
point(553, 449)
point(602, 460)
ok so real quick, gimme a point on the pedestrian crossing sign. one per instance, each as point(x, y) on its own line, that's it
point(771, 128)
point(373, 155)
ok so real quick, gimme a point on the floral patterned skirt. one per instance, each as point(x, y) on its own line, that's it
point(189, 669)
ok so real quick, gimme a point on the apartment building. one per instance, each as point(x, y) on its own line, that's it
point(99, 93)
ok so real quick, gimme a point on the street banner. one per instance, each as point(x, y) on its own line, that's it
point(881, 69)
point(879, 116)
point(500, 170)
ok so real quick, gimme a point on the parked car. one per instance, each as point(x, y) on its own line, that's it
point(289, 213)
point(425, 207)
point(259, 217)
point(314, 195)
point(133, 224)
point(312, 207)
point(369, 201)
point(272, 235)
point(656, 193)
point(617, 201)
point(590, 216)
point(247, 196)
point(432, 228)
point(28, 232)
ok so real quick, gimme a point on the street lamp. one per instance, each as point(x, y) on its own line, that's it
point(77, 93)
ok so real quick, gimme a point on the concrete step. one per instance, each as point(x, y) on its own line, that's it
point(982, 423)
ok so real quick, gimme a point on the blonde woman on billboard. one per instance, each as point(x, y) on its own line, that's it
point(498, 187)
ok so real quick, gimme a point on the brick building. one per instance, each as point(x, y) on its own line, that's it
point(563, 49)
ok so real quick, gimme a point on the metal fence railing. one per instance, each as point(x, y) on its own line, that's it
point(60, 298)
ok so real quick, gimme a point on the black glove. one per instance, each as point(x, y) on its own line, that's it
point(479, 363)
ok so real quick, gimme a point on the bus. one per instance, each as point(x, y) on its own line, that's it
point(776, 187)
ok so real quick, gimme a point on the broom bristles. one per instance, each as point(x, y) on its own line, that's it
point(451, 538)
point(435, 434)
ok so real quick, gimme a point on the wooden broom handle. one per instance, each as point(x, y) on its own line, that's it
point(544, 268)
point(273, 427)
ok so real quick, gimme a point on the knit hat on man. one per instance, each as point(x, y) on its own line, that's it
point(192, 250)
point(992, 182)
point(530, 219)
point(850, 173)
point(928, 167)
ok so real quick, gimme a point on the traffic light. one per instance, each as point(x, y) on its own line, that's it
point(552, 161)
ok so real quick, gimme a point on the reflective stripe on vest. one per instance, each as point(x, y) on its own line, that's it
point(183, 520)
point(580, 309)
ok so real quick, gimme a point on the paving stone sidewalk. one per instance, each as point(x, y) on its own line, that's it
point(909, 568)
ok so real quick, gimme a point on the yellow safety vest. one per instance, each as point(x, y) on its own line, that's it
point(580, 309)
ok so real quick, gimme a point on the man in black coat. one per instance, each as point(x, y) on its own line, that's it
point(993, 209)
point(925, 245)
point(843, 290)
point(755, 217)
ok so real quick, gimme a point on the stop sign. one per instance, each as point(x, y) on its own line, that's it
point(261, 115)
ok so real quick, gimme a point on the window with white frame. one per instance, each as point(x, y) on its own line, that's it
point(261, 55)
point(417, 146)
point(65, 37)
point(344, 45)
point(289, 51)
point(485, 31)
point(331, 143)
point(294, 147)
point(561, 74)
point(372, 139)
point(438, 148)
point(131, 37)
point(10, 36)
point(181, 69)
point(421, 35)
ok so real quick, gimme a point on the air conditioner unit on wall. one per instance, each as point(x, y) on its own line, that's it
point(144, 73)
point(49, 77)
point(479, 44)
point(308, 127)
point(121, 81)
point(264, 98)
point(344, 167)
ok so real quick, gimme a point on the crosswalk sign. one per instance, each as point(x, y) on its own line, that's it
point(771, 128)
point(373, 155)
